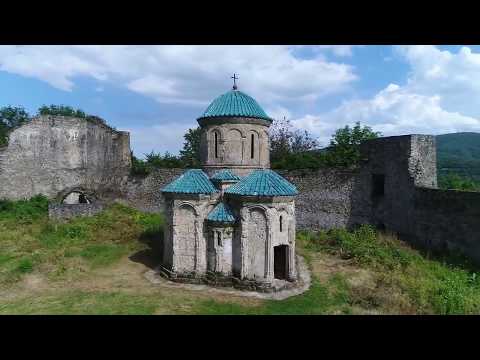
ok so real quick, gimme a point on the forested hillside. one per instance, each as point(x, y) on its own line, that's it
point(459, 153)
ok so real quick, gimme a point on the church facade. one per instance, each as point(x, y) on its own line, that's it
point(234, 219)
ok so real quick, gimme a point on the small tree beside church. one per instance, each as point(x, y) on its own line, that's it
point(289, 143)
point(190, 154)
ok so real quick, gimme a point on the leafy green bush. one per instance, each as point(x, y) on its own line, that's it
point(61, 110)
point(453, 181)
point(65, 110)
point(24, 211)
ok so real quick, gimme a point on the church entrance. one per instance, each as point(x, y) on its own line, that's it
point(280, 262)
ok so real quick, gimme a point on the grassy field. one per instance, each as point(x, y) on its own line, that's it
point(95, 265)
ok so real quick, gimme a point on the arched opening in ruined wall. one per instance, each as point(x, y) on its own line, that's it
point(76, 197)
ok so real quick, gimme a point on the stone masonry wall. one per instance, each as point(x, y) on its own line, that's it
point(143, 192)
point(447, 220)
point(69, 211)
point(326, 199)
point(53, 155)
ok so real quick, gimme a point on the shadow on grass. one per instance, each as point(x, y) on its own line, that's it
point(152, 256)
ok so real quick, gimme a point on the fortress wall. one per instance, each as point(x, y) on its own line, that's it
point(143, 192)
point(52, 154)
point(326, 198)
point(325, 201)
point(448, 220)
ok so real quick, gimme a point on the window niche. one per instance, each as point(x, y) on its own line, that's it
point(378, 186)
point(252, 146)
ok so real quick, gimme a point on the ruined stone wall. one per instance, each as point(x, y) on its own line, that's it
point(447, 220)
point(326, 197)
point(143, 192)
point(53, 155)
point(69, 211)
point(391, 170)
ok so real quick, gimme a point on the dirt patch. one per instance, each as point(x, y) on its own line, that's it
point(35, 283)
point(324, 266)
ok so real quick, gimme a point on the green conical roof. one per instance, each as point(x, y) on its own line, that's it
point(193, 181)
point(263, 183)
point(235, 103)
point(221, 213)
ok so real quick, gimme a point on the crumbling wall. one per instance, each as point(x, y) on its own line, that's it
point(143, 192)
point(55, 154)
point(69, 211)
point(327, 198)
point(447, 221)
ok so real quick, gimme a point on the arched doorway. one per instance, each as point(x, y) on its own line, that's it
point(280, 262)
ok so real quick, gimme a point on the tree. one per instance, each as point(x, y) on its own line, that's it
point(285, 140)
point(344, 147)
point(190, 154)
point(11, 117)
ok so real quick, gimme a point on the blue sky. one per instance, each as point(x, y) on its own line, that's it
point(157, 92)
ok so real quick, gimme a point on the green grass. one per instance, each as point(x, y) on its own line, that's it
point(404, 280)
point(83, 303)
point(103, 254)
point(39, 243)
point(319, 299)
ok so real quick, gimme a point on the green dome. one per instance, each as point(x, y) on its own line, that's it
point(235, 103)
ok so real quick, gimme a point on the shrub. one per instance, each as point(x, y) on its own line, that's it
point(24, 211)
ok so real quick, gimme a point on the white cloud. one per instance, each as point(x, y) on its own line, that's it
point(278, 112)
point(393, 111)
point(453, 76)
point(441, 95)
point(184, 74)
point(159, 138)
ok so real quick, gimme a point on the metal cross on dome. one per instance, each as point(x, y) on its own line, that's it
point(234, 77)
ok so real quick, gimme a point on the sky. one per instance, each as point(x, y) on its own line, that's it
point(157, 92)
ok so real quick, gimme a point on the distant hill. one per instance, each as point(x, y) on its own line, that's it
point(459, 153)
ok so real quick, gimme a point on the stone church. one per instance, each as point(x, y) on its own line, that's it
point(234, 219)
